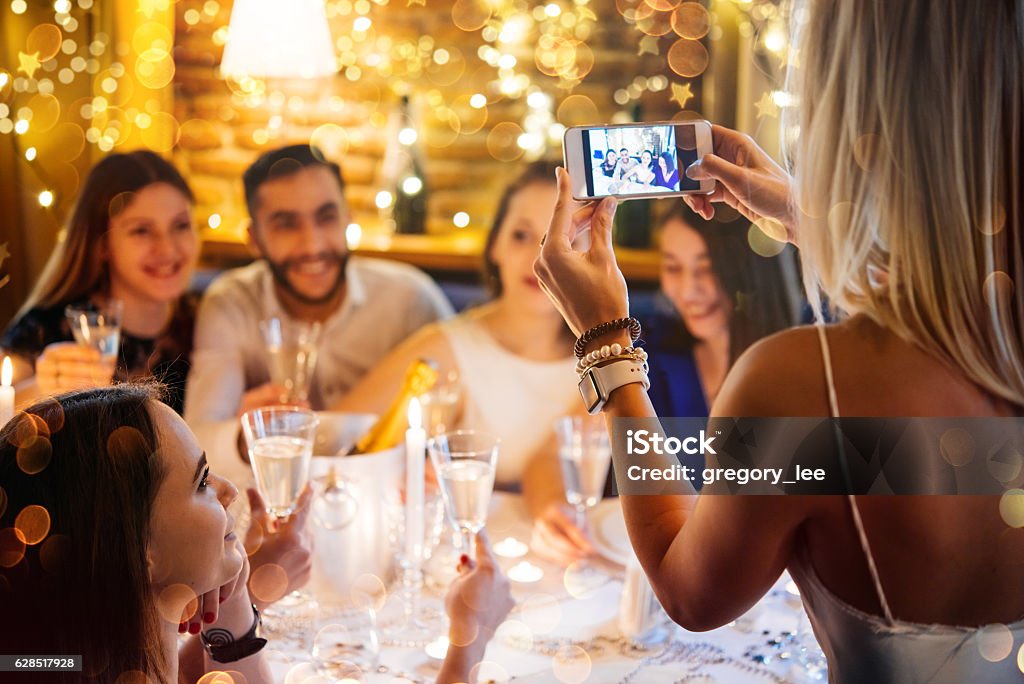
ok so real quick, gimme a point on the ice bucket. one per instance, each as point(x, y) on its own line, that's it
point(351, 532)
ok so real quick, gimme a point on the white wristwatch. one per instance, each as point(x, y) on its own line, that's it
point(598, 382)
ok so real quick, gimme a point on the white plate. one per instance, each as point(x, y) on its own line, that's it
point(608, 528)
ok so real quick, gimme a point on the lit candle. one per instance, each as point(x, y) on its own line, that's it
point(6, 391)
point(525, 572)
point(415, 454)
point(510, 547)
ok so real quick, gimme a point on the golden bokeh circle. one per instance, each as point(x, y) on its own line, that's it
point(152, 36)
point(44, 39)
point(1011, 507)
point(34, 524)
point(222, 677)
point(35, 455)
point(571, 665)
point(577, 110)
point(471, 15)
point(1005, 463)
point(441, 127)
point(866, 149)
point(268, 582)
point(331, 138)
point(472, 119)
point(171, 601)
point(489, 671)
point(657, 24)
point(66, 142)
point(662, 5)
point(690, 20)
point(45, 112)
point(688, 58)
point(27, 429)
point(516, 634)
point(12, 547)
point(154, 68)
point(503, 141)
point(761, 242)
point(450, 72)
point(54, 552)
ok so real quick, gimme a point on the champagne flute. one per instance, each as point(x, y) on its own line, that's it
point(280, 444)
point(292, 347)
point(98, 327)
point(584, 454)
point(465, 461)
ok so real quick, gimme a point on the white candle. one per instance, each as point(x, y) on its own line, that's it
point(525, 572)
point(415, 454)
point(510, 547)
point(6, 391)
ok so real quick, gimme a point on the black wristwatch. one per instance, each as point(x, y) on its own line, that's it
point(224, 648)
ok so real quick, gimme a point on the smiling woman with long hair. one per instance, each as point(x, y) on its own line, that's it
point(130, 237)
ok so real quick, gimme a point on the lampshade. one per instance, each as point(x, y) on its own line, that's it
point(278, 39)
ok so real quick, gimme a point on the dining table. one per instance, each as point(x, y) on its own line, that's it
point(566, 627)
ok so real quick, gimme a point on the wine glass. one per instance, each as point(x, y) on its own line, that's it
point(98, 327)
point(465, 461)
point(584, 454)
point(280, 444)
point(442, 405)
point(292, 347)
point(347, 647)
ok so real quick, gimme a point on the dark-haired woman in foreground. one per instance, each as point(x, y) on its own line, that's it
point(115, 538)
point(907, 206)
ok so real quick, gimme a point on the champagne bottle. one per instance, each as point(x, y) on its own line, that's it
point(389, 430)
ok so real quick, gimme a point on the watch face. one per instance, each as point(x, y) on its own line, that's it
point(590, 393)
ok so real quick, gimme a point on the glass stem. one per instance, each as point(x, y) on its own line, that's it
point(467, 541)
point(581, 517)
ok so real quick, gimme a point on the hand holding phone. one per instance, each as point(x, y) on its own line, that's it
point(636, 161)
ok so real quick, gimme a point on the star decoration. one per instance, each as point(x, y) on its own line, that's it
point(28, 63)
point(790, 58)
point(681, 93)
point(744, 301)
point(648, 45)
point(766, 106)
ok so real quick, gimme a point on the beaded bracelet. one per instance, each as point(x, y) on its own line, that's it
point(610, 353)
point(629, 323)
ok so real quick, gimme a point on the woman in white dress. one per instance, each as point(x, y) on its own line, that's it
point(906, 204)
point(514, 361)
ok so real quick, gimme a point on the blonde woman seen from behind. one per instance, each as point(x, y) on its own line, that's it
point(906, 205)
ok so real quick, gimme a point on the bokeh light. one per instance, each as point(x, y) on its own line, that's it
point(33, 522)
point(268, 582)
point(688, 58)
point(12, 547)
point(994, 642)
point(503, 142)
point(571, 665)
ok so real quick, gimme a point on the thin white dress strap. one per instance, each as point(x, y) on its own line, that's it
point(833, 407)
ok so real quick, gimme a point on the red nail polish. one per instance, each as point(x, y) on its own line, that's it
point(209, 617)
point(222, 599)
point(181, 627)
point(193, 628)
point(464, 559)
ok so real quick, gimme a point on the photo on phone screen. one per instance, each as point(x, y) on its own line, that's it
point(639, 160)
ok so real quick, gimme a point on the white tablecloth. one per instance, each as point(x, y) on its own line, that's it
point(758, 648)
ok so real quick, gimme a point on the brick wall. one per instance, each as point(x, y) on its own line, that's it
point(351, 114)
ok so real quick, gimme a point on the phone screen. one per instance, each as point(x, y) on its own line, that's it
point(639, 160)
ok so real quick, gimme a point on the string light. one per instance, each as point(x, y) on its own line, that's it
point(407, 136)
point(383, 199)
point(45, 198)
point(412, 185)
point(214, 221)
point(461, 219)
point(30, 154)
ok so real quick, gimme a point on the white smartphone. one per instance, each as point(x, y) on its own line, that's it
point(636, 161)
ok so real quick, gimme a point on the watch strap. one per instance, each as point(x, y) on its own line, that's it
point(598, 382)
point(224, 648)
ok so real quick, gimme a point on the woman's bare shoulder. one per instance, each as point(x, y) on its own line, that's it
point(779, 375)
